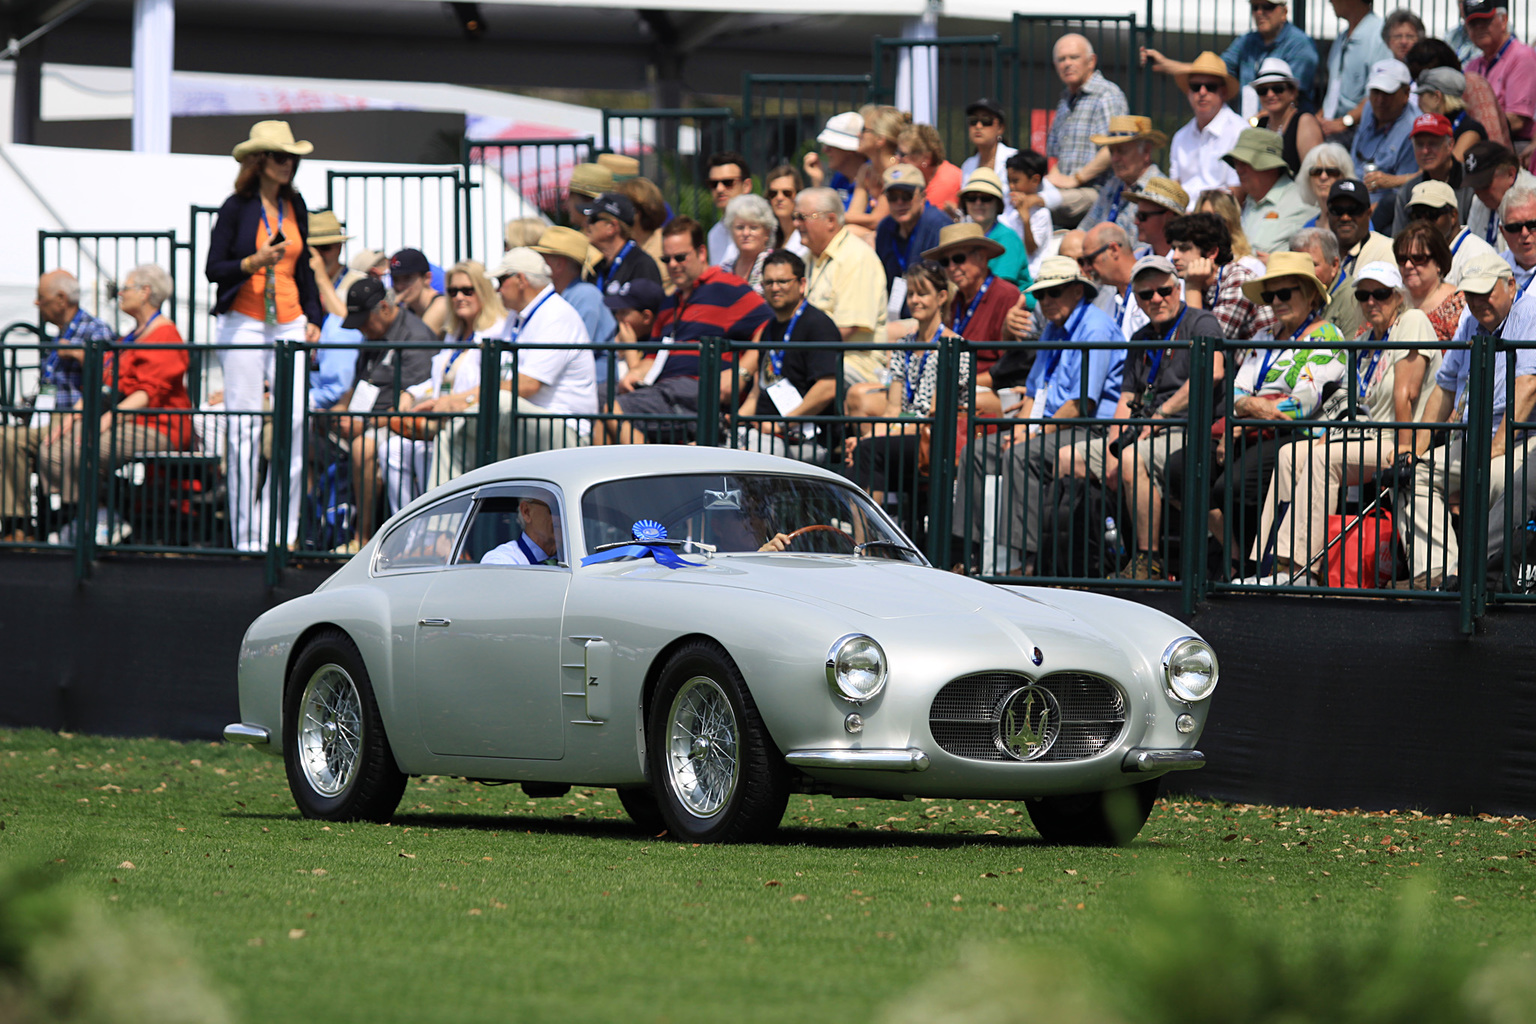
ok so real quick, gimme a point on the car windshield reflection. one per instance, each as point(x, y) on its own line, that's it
point(738, 513)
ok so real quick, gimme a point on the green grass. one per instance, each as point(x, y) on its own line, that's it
point(479, 904)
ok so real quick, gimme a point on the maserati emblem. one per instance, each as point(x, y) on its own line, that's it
point(1029, 721)
point(1037, 656)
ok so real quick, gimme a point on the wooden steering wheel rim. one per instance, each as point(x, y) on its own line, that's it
point(821, 528)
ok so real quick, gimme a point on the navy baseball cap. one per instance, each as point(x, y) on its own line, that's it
point(409, 261)
point(361, 298)
point(636, 293)
point(615, 204)
point(1352, 189)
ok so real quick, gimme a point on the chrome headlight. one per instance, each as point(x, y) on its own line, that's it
point(856, 667)
point(1190, 669)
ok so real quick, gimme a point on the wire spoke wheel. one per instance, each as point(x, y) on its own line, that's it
point(330, 730)
point(703, 747)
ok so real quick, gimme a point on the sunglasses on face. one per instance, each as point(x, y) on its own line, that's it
point(798, 217)
point(1210, 87)
point(1145, 295)
point(281, 158)
point(1273, 89)
point(1261, 8)
point(984, 120)
point(781, 193)
point(1278, 295)
point(1347, 211)
point(1520, 227)
point(1416, 259)
point(1142, 216)
point(1424, 212)
point(675, 259)
point(1087, 259)
point(463, 290)
point(1332, 172)
point(723, 182)
point(779, 282)
point(1372, 294)
point(954, 259)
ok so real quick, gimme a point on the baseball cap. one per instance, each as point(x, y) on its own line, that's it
point(987, 106)
point(1484, 8)
point(842, 131)
point(1380, 270)
point(1389, 76)
point(1159, 264)
point(1436, 195)
point(1483, 271)
point(409, 261)
point(904, 176)
point(1352, 189)
point(1431, 124)
point(1482, 160)
point(636, 293)
point(361, 298)
point(615, 204)
point(521, 260)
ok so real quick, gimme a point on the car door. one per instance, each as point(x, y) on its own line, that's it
point(488, 637)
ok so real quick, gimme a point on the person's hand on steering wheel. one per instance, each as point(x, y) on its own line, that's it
point(778, 542)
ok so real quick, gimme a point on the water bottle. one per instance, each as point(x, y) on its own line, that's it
point(1112, 544)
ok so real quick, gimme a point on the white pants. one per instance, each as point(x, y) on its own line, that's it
point(246, 373)
point(404, 464)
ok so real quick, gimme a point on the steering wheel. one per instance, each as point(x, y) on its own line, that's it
point(820, 528)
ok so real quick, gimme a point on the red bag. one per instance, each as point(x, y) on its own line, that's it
point(1363, 557)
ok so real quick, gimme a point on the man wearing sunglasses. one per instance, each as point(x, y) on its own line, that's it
point(985, 125)
point(1517, 221)
point(913, 226)
point(1349, 216)
point(1110, 259)
point(1163, 200)
point(1434, 150)
point(1275, 208)
point(1434, 201)
point(1273, 35)
point(729, 177)
point(1491, 170)
point(1194, 157)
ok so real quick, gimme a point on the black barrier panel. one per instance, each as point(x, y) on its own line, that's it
point(1030, 75)
point(784, 113)
point(673, 147)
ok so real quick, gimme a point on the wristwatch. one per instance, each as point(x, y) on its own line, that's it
point(1348, 120)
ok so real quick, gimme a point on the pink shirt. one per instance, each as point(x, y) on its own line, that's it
point(1513, 77)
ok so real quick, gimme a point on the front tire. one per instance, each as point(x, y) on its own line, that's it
point(718, 776)
point(1112, 817)
point(340, 766)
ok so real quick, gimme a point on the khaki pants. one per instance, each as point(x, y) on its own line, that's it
point(18, 451)
point(1434, 549)
point(59, 462)
point(1309, 478)
point(1074, 203)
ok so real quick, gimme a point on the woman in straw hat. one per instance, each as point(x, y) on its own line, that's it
point(1310, 474)
point(981, 199)
point(259, 261)
point(1278, 92)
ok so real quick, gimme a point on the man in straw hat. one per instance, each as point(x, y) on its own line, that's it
point(1275, 208)
point(1054, 392)
point(567, 253)
point(1496, 307)
point(982, 299)
point(1160, 202)
point(1273, 35)
point(588, 181)
point(1130, 140)
point(1194, 158)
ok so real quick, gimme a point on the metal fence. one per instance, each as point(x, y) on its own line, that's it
point(783, 113)
point(393, 210)
point(509, 179)
point(673, 147)
point(942, 76)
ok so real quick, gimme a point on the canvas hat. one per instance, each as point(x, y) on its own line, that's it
point(1389, 76)
point(272, 137)
point(987, 106)
point(1287, 264)
point(1164, 192)
point(636, 293)
point(590, 180)
point(1484, 8)
point(1059, 270)
point(366, 260)
point(1446, 81)
point(567, 242)
point(1130, 128)
point(1483, 271)
point(1209, 64)
point(325, 229)
point(1436, 195)
point(1260, 148)
point(620, 166)
point(983, 180)
point(521, 260)
point(1275, 69)
point(963, 236)
point(1482, 160)
point(362, 296)
point(1380, 270)
point(1159, 264)
point(1431, 124)
point(409, 261)
point(842, 131)
point(904, 176)
point(615, 204)
point(1350, 188)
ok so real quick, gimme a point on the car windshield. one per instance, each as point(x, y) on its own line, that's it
point(744, 512)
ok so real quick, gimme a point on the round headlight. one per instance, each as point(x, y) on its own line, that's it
point(1189, 665)
point(856, 667)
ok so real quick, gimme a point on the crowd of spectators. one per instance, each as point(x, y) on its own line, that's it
point(1378, 192)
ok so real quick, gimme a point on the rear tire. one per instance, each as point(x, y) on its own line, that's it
point(1112, 817)
point(340, 766)
point(716, 773)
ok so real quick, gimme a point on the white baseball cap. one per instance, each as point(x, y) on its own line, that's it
point(521, 260)
point(842, 131)
point(1380, 270)
point(1389, 76)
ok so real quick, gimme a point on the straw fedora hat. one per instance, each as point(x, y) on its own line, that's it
point(620, 166)
point(325, 229)
point(1210, 64)
point(984, 181)
point(567, 242)
point(272, 137)
point(1286, 264)
point(1059, 270)
point(1129, 128)
point(1164, 192)
point(963, 236)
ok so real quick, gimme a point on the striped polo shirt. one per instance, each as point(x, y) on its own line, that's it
point(721, 305)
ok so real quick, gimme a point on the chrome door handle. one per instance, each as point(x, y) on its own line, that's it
point(434, 622)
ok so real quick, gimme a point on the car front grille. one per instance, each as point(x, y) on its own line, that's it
point(966, 714)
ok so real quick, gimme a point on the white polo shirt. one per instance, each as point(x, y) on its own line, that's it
point(1195, 154)
point(568, 375)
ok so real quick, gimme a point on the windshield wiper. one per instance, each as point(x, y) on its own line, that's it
point(858, 549)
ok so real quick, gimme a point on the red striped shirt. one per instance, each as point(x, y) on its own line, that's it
point(721, 305)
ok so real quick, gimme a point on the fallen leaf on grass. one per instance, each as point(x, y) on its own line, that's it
point(772, 883)
point(257, 941)
point(801, 897)
point(296, 933)
point(475, 911)
point(408, 856)
point(126, 865)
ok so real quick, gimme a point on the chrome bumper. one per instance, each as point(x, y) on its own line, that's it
point(908, 760)
point(255, 735)
point(1162, 760)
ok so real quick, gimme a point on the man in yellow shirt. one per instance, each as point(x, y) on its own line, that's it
point(847, 281)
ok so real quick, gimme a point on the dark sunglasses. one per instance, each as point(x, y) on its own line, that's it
point(1318, 172)
point(1520, 227)
point(674, 259)
point(1142, 216)
point(1145, 295)
point(1424, 212)
point(1261, 8)
point(779, 282)
point(1271, 89)
point(954, 259)
point(1087, 259)
point(781, 193)
point(1416, 259)
point(1379, 294)
point(1278, 295)
point(281, 158)
point(984, 120)
point(723, 182)
point(1349, 210)
point(465, 290)
point(1054, 292)
point(1211, 87)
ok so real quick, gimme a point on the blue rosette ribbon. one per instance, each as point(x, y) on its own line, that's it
point(645, 532)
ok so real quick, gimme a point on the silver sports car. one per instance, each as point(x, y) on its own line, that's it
point(709, 631)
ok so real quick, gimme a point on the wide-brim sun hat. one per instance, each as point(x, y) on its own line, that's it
point(1209, 63)
point(1164, 192)
point(272, 137)
point(983, 181)
point(1059, 270)
point(1286, 264)
point(1125, 128)
point(963, 236)
point(562, 241)
point(325, 229)
point(1260, 149)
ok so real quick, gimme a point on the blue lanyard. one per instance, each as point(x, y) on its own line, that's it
point(1169, 336)
point(1525, 286)
point(1343, 274)
point(1157, 354)
point(1114, 204)
point(138, 332)
point(1493, 226)
point(1488, 70)
point(1459, 239)
point(281, 206)
point(522, 542)
point(1456, 124)
point(522, 321)
point(1069, 328)
point(776, 355)
point(961, 325)
point(908, 384)
point(903, 253)
point(1365, 378)
point(613, 266)
point(1303, 327)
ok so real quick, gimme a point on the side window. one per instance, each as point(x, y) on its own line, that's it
point(517, 525)
point(425, 540)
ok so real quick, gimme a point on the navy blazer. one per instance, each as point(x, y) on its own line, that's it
point(234, 238)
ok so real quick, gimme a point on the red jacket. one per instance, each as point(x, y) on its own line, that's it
point(162, 373)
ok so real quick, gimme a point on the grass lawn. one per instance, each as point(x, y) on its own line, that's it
point(479, 904)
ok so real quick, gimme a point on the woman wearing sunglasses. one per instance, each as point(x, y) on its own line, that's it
point(1323, 167)
point(258, 260)
point(982, 201)
point(1421, 250)
point(1278, 92)
point(784, 182)
point(1311, 474)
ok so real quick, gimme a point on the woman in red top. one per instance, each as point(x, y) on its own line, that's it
point(149, 379)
